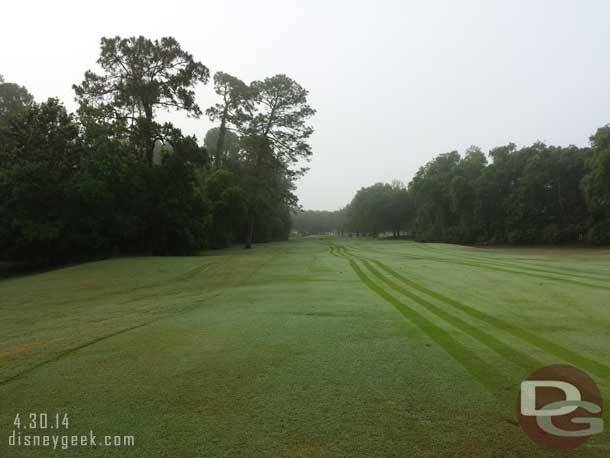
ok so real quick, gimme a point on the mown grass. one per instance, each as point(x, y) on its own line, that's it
point(311, 348)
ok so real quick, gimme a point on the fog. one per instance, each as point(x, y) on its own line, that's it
point(394, 82)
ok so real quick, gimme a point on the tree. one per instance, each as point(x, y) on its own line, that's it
point(43, 132)
point(280, 118)
point(232, 112)
point(596, 186)
point(140, 76)
point(378, 209)
point(76, 186)
point(12, 99)
point(268, 189)
point(430, 189)
point(398, 208)
point(38, 164)
point(307, 222)
point(177, 216)
point(277, 139)
point(226, 203)
point(462, 189)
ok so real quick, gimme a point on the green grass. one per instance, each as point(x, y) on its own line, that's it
point(310, 348)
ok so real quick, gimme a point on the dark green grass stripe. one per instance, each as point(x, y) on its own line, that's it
point(518, 358)
point(535, 340)
point(486, 374)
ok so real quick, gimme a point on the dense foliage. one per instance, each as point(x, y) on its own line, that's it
point(110, 179)
point(529, 195)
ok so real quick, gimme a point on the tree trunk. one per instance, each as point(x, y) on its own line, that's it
point(250, 233)
point(148, 132)
point(220, 142)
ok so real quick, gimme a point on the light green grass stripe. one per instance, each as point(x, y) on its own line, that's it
point(484, 373)
point(518, 358)
point(537, 341)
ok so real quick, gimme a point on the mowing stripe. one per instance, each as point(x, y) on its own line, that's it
point(498, 267)
point(526, 266)
point(485, 259)
point(539, 342)
point(535, 340)
point(69, 351)
point(518, 358)
point(512, 271)
point(484, 373)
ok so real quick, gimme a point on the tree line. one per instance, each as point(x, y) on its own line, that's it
point(530, 195)
point(112, 179)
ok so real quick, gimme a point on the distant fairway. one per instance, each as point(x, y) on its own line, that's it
point(311, 348)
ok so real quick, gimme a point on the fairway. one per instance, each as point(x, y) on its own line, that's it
point(316, 347)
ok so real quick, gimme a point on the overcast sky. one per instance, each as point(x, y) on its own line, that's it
point(395, 82)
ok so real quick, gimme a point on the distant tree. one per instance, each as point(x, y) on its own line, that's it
point(233, 110)
point(185, 146)
point(231, 143)
point(307, 222)
point(378, 209)
point(140, 76)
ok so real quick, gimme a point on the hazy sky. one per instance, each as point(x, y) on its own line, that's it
point(395, 82)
